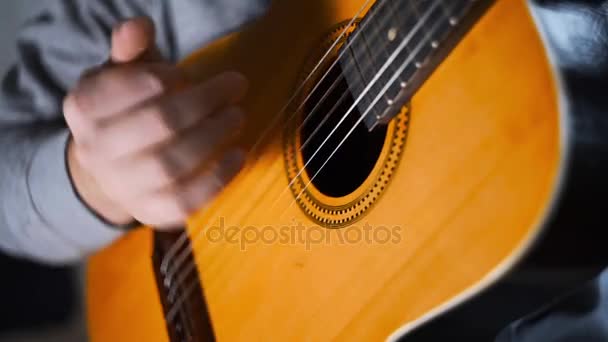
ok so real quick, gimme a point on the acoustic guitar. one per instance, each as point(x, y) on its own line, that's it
point(404, 155)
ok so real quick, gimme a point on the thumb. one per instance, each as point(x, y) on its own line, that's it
point(134, 39)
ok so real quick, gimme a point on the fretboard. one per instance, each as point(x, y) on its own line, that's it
point(396, 47)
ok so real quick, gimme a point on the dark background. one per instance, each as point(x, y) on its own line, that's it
point(37, 298)
point(37, 303)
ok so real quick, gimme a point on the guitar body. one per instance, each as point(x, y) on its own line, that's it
point(461, 187)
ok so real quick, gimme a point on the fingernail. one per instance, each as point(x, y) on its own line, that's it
point(152, 83)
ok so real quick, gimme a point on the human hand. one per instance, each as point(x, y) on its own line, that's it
point(147, 144)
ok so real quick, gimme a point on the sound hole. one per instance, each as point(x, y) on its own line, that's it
point(356, 157)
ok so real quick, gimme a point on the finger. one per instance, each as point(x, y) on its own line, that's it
point(180, 159)
point(160, 122)
point(114, 91)
point(172, 208)
point(134, 39)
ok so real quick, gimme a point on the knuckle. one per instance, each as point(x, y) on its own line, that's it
point(70, 108)
point(87, 88)
point(165, 173)
point(78, 102)
point(188, 153)
point(152, 81)
point(93, 72)
point(91, 136)
point(89, 79)
point(135, 78)
point(81, 125)
point(95, 80)
point(161, 125)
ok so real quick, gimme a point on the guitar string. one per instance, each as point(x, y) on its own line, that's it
point(341, 77)
point(173, 312)
point(399, 72)
point(184, 253)
point(183, 239)
point(182, 257)
point(192, 286)
point(307, 79)
point(371, 106)
point(369, 87)
point(447, 14)
point(351, 109)
point(192, 266)
point(172, 277)
point(184, 236)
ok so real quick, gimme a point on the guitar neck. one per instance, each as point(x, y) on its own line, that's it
point(397, 46)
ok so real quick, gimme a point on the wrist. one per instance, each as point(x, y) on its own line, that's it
point(91, 194)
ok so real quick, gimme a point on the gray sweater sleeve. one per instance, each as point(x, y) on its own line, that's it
point(40, 215)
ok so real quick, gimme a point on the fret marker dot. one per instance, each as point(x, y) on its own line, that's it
point(403, 84)
point(390, 102)
point(418, 65)
point(435, 44)
point(392, 34)
point(453, 21)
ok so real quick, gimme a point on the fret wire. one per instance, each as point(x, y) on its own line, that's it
point(367, 49)
point(445, 9)
point(395, 13)
point(448, 14)
point(361, 50)
point(409, 6)
point(343, 55)
point(426, 33)
point(414, 8)
point(374, 68)
point(383, 29)
point(358, 72)
point(388, 31)
point(394, 28)
point(377, 30)
point(383, 32)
